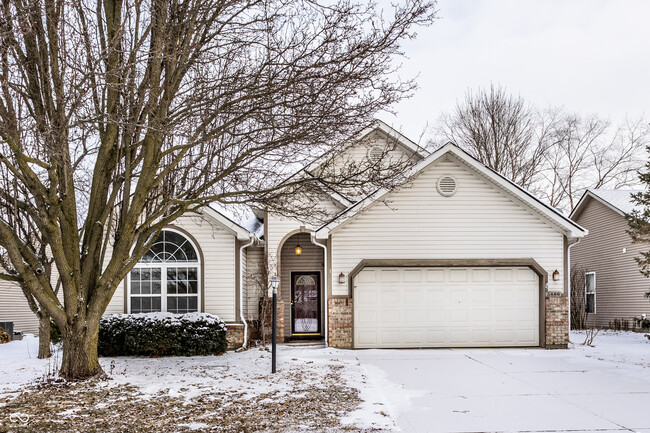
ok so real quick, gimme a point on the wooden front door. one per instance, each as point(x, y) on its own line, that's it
point(305, 306)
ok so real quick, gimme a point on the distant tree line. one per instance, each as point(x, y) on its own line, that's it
point(553, 153)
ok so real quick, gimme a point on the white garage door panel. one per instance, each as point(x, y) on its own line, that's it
point(446, 307)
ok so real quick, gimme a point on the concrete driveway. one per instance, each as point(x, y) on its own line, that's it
point(584, 389)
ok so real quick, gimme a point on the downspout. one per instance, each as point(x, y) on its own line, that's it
point(568, 281)
point(325, 278)
point(241, 289)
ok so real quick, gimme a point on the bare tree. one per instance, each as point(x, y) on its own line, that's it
point(590, 153)
point(501, 131)
point(556, 155)
point(119, 116)
point(578, 303)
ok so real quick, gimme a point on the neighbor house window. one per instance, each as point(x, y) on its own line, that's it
point(167, 277)
point(590, 292)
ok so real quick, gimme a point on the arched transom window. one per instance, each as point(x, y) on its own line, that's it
point(167, 277)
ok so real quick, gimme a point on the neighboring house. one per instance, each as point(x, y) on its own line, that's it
point(613, 285)
point(458, 256)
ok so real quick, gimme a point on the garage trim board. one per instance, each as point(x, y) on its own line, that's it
point(448, 303)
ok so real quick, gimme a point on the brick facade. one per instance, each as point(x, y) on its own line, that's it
point(235, 336)
point(340, 322)
point(280, 324)
point(557, 321)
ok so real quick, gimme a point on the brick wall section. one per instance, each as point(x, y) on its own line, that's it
point(280, 323)
point(340, 322)
point(235, 336)
point(557, 321)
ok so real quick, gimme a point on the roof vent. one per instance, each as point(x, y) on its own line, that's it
point(375, 153)
point(447, 186)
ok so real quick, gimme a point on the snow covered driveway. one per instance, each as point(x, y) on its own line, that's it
point(584, 389)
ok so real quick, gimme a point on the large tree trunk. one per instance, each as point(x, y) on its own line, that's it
point(80, 360)
point(44, 336)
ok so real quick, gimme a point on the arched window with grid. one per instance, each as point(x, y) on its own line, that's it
point(167, 277)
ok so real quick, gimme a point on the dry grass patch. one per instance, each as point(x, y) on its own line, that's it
point(103, 406)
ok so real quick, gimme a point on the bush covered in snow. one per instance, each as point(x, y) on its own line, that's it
point(162, 334)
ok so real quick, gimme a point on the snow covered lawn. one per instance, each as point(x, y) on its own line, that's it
point(602, 388)
point(312, 391)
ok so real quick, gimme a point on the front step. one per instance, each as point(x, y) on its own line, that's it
point(310, 343)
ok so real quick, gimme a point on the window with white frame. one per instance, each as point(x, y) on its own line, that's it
point(167, 277)
point(590, 292)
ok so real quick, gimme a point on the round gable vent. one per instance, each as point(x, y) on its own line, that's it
point(447, 186)
point(375, 153)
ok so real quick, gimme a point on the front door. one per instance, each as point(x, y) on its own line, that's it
point(305, 306)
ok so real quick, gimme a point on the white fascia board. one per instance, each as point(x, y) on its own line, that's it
point(327, 190)
point(583, 202)
point(401, 138)
point(349, 213)
point(383, 127)
point(572, 229)
point(241, 233)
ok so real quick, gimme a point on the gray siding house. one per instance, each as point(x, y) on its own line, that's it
point(613, 285)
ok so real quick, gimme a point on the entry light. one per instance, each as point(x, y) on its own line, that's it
point(275, 281)
point(341, 278)
point(556, 275)
point(298, 250)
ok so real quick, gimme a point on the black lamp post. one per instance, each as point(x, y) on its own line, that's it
point(274, 285)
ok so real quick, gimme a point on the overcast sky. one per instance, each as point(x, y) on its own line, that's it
point(589, 56)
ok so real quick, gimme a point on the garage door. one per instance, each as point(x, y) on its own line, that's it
point(446, 307)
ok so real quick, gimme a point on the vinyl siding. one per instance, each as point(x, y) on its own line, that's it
point(311, 259)
point(358, 154)
point(278, 227)
point(619, 284)
point(254, 281)
point(478, 222)
point(14, 308)
point(218, 247)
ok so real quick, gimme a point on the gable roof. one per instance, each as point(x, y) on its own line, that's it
point(236, 229)
point(377, 125)
point(618, 200)
point(552, 215)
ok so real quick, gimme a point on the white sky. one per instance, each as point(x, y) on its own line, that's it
point(589, 56)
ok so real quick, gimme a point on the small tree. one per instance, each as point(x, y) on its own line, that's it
point(639, 221)
point(578, 307)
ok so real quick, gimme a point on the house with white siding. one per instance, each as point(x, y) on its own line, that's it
point(455, 256)
point(612, 287)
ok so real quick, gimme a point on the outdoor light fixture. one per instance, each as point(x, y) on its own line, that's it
point(556, 275)
point(341, 278)
point(298, 250)
point(275, 281)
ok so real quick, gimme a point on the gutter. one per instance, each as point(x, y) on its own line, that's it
point(241, 289)
point(324, 247)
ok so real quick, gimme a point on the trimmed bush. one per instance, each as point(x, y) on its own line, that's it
point(162, 334)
